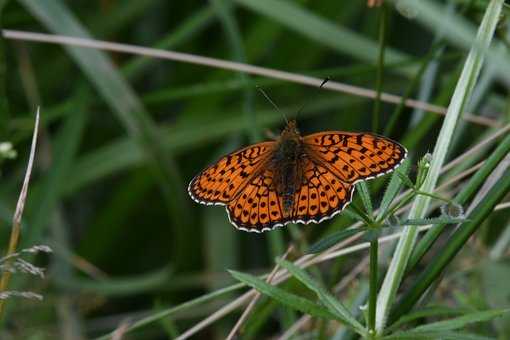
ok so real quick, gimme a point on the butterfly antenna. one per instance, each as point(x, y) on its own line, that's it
point(320, 87)
point(272, 103)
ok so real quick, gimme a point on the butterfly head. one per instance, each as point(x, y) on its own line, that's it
point(291, 130)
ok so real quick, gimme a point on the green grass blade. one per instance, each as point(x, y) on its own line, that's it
point(462, 321)
point(419, 208)
point(47, 195)
point(289, 14)
point(497, 192)
point(462, 197)
point(433, 220)
point(333, 305)
point(332, 239)
point(460, 32)
point(187, 30)
point(290, 300)
point(119, 95)
point(427, 312)
point(433, 335)
point(170, 311)
point(393, 188)
point(365, 198)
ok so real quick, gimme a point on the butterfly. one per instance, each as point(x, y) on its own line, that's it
point(294, 179)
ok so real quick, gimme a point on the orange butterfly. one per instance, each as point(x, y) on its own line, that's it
point(294, 179)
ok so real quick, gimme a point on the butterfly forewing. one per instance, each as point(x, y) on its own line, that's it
point(223, 181)
point(354, 156)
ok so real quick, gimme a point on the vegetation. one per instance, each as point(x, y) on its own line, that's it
point(136, 97)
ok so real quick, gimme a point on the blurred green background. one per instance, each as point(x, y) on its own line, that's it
point(122, 135)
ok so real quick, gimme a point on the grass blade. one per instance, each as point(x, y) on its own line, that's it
point(463, 196)
point(332, 239)
point(477, 215)
point(288, 13)
point(462, 321)
point(119, 95)
point(365, 198)
point(333, 305)
point(460, 98)
point(393, 188)
point(285, 298)
point(433, 335)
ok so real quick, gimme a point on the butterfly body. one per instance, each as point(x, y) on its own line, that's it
point(294, 179)
point(285, 163)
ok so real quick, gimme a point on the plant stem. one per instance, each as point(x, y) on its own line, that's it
point(372, 300)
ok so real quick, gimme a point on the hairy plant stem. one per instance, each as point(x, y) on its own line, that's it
point(372, 300)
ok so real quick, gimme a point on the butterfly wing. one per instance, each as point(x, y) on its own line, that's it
point(222, 182)
point(321, 196)
point(258, 207)
point(354, 156)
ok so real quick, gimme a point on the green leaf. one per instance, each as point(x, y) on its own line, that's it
point(463, 196)
point(127, 107)
point(405, 179)
point(332, 239)
point(500, 186)
point(332, 304)
point(365, 197)
point(461, 96)
point(432, 311)
point(434, 220)
point(290, 14)
point(462, 321)
point(393, 188)
point(435, 335)
point(291, 300)
point(154, 317)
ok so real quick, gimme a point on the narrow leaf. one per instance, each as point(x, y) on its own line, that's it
point(333, 305)
point(434, 335)
point(433, 311)
point(405, 179)
point(462, 321)
point(434, 220)
point(291, 300)
point(393, 188)
point(332, 239)
point(365, 197)
point(461, 96)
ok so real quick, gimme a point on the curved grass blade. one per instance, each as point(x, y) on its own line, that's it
point(285, 298)
point(288, 13)
point(333, 305)
point(462, 321)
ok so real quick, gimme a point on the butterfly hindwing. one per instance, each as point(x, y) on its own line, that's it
point(258, 206)
point(321, 195)
point(355, 156)
point(222, 181)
